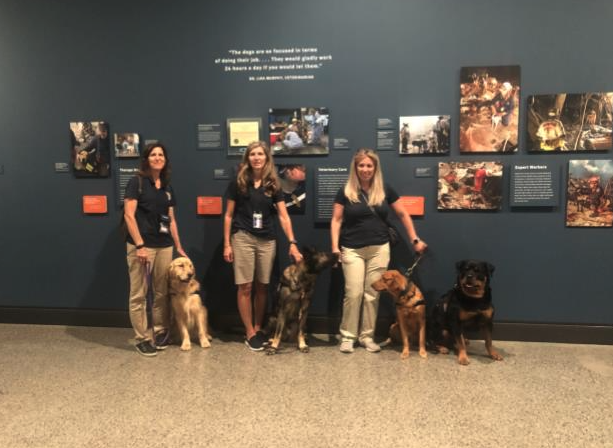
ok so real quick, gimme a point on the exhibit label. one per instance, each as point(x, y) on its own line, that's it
point(534, 185)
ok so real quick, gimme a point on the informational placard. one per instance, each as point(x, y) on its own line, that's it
point(413, 205)
point(208, 205)
point(94, 205)
point(341, 143)
point(385, 123)
point(328, 180)
point(534, 185)
point(124, 174)
point(424, 171)
point(60, 167)
point(209, 136)
point(221, 173)
point(385, 140)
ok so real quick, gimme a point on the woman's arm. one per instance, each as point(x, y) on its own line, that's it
point(407, 222)
point(174, 232)
point(129, 215)
point(286, 225)
point(228, 255)
point(335, 226)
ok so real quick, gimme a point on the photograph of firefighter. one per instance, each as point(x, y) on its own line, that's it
point(90, 149)
point(469, 185)
point(589, 194)
point(424, 135)
point(301, 131)
point(489, 108)
point(292, 178)
point(570, 122)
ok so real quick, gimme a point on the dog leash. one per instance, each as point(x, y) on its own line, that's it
point(409, 271)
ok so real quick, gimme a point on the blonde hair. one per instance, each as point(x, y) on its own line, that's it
point(376, 193)
point(270, 181)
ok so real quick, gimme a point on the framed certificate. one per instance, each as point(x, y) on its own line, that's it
point(242, 132)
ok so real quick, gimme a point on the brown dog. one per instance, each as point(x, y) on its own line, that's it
point(410, 311)
point(189, 313)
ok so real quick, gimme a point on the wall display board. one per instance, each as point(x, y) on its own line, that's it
point(127, 145)
point(413, 205)
point(570, 122)
point(94, 205)
point(90, 148)
point(589, 200)
point(424, 135)
point(328, 180)
point(301, 131)
point(124, 174)
point(489, 108)
point(534, 185)
point(470, 185)
point(385, 140)
point(209, 136)
point(293, 184)
point(208, 205)
point(242, 132)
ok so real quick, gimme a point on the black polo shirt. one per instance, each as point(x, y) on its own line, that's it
point(255, 200)
point(151, 204)
point(360, 227)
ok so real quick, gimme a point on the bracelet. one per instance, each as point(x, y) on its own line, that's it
point(140, 246)
point(293, 242)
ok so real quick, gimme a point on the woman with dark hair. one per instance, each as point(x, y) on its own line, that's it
point(152, 231)
point(359, 233)
point(252, 200)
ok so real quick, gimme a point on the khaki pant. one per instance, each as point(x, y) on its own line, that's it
point(159, 258)
point(252, 255)
point(361, 268)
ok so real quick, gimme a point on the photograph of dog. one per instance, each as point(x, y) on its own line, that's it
point(467, 307)
point(188, 312)
point(294, 293)
point(410, 322)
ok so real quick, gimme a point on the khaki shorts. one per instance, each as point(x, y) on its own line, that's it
point(252, 255)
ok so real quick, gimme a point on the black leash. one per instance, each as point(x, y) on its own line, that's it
point(409, 271)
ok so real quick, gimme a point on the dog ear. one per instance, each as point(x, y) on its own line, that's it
point(459, 266)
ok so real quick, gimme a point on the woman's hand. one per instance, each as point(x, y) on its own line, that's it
point(181, 252)
point(228, 255)
point(339, 254)
point(295, 253)
point(420, 247)
point(142, 254)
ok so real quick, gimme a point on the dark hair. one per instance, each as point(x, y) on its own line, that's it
point(145, 169)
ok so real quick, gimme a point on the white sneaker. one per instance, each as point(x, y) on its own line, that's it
point(347, 347)
point(370, 345)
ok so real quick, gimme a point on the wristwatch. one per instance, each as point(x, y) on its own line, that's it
point(140, 246)
point(415, 241)
point(293, 242)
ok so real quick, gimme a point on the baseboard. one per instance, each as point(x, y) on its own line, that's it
point(503, 331)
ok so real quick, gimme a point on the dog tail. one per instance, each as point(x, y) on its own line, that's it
point(388, 341)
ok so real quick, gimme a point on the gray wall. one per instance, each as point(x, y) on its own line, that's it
point(148, 66)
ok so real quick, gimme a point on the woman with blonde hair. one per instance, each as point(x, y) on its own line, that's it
point(252, 201)
point(359, 233)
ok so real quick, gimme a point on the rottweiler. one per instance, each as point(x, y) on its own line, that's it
point(410, 311)
point(468, 306)
point(294, 293)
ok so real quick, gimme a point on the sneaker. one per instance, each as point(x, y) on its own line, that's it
point(263, 338)
point(145, 348)
point(370, 345)
point(162, 340)
point(254, 343)
point(347, 347)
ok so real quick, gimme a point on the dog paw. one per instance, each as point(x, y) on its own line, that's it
point(404, 355)
point(443, 350)
point(463, 360)
point(496, 356)
point(304, 349)
point(186, 346)
point(204, 343)
point(271, 351)
point(423, 353)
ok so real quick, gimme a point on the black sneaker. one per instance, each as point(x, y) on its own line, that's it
point(162, 340)
point(263, 338)
point(254, 344)
point(146, 349)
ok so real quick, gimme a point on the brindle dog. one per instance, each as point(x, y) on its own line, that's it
point(294, 293)
point(467, 306)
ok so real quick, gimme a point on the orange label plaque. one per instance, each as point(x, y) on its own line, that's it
point(413, 205)
point(209, 205)
point(94, 204)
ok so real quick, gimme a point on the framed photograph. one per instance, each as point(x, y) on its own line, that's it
point(489, 109)
point(127, 145)
point(301, 131)
point(469, 185)
point(570, 122)
point(589, 193)
point(424, 135)
point(242, 132)
point(90, 148)
point(293, 183)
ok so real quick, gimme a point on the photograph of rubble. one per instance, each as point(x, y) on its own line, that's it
point(424, 135)
point(589, 194)
point(301, 131)
point(489, 108)
point(570, 122)
point(469, 185)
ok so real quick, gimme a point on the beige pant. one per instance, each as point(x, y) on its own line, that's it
point(361, 268)
point(252, 255)
point(159, 258)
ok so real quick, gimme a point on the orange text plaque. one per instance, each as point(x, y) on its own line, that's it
point(209, 205)
point(413, 205)
point(94, 204)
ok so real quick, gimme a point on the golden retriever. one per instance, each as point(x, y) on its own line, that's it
point(189, 313)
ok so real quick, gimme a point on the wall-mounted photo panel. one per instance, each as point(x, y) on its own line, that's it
point(90, 148)
point(570, 122)
point(424, 135)
point(127, 145)
point(589, 193)
point(293, 183)
point(489, 108)
point(469, 185)
point(301, 131)
point(241, 133)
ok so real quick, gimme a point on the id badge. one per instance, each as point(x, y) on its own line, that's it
point(164, 224)
point(258, 222)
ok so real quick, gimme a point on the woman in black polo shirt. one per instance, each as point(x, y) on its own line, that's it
point(359, 233)
point(252, 201)
point(152, 231)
